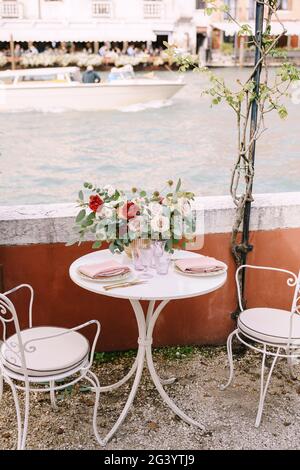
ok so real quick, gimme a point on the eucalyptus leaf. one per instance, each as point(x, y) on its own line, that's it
point(96, 244)
point(178, 185)
point(80, 216)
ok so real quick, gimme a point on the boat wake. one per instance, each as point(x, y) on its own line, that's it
point(37, 109)
point(135, 108)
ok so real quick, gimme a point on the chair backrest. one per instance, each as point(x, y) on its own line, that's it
point(292, 281)
point(14, 349)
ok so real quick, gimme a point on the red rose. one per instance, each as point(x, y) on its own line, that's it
point(95, 202)
point(129, 210)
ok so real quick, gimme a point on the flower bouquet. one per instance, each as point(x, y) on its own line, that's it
point(115, 217)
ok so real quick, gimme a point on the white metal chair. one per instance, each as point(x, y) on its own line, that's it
point(32, 357)
point(272, 332)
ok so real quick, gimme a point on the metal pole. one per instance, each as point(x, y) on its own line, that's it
point(259, 24)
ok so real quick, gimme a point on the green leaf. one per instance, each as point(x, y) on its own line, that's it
point(178, 185)
point(282, 111)
point(216, 100)
point(169, 246)
point(209, 11)
point(80, 196)
point(96, 244)
point(245, 30)
point(91, 216)
point(80, 216)
point(224, 8)
point(112, 247)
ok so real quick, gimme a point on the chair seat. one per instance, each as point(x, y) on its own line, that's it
point(50, 356)
point(269, 325)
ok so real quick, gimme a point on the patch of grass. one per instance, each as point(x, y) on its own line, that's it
point(168, 352)
point(65, 393)
point(182, 352)
point(175, 352)
point(104, 357)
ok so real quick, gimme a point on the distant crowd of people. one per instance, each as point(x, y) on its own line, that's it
point(106, 50)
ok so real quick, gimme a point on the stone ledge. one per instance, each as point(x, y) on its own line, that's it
point(52, 223)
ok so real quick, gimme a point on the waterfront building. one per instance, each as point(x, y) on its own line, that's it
point(99, 21)
point(182, 22)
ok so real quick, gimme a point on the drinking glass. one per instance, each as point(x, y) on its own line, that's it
point(146, 255)
point(137, 258)
point(142, 258)
point(158, 248)
point(163, 263)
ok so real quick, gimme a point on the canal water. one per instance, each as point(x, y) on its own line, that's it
point(45, 156)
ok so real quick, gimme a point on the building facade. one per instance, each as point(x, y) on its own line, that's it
point(98, 20)
point(182, 22)
point(244, 12)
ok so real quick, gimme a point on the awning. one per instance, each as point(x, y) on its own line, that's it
point(77, 32)
point(230, 28)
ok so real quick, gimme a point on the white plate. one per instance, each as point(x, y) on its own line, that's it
point(119, 277)
point(177, 270)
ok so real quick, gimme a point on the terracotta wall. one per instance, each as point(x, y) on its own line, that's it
point(203, 320)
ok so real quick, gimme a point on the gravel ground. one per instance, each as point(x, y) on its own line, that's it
point(227, 415)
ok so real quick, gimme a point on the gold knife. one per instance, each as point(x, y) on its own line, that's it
point(123, 284)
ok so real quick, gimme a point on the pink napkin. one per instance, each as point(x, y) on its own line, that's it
point(203, 264)
point(105, 269)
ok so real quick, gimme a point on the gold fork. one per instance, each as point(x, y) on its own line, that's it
point(123, 284)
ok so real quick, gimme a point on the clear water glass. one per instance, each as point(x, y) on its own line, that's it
point(146, 255)
point(163, 263)
point(142, 258)
point(158, 248)
point(137, 259)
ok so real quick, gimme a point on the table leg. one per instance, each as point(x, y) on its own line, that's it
point(109, 388)
point(157, 381)
point(150, 311)
point(142, 341)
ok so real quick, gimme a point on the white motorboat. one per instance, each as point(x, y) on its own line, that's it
point(61, 88)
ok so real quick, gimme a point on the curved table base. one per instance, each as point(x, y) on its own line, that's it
point(145, 329)
point(109, 388)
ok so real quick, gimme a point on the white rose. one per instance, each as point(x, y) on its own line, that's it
point(101, 234)
point(110, 190)
point(134, 225)
point(160, 224)
point(155, 209)
point(106, 212)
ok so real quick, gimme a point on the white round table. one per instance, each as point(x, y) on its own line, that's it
point(161, 288)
